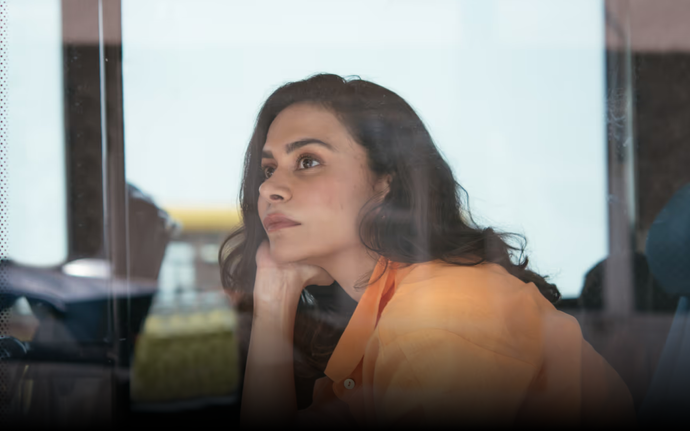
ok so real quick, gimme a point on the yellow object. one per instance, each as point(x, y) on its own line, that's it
point(186, 352)
point(207, 219)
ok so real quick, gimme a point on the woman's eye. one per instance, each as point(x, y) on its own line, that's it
point(307, 162)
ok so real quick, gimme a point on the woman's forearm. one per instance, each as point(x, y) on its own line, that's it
point(268, 396)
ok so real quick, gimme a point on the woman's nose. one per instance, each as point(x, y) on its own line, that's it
point(275, 190)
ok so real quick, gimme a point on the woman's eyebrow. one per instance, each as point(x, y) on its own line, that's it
point(298, 144)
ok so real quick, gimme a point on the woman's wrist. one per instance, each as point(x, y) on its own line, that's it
point(269, 382)
point(276, 291)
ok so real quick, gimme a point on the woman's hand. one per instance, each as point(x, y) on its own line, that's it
point(268, 396)
point(279, 281)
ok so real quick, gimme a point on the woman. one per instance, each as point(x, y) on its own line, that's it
point(343, 187)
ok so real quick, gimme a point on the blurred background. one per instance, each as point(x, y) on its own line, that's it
point(127, 123)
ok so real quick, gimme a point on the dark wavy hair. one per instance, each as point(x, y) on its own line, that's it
point(424, 217)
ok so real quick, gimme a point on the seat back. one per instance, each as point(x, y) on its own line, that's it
point(668, 254)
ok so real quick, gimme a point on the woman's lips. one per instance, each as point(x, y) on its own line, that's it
point(274, 222)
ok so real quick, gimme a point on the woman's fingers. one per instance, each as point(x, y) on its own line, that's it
point(306, 274)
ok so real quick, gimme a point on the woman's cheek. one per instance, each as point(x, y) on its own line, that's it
point(323, 197)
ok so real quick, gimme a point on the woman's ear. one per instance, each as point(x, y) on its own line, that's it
point(383, 185)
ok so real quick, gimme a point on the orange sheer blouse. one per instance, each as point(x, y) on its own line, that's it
point(440, 344)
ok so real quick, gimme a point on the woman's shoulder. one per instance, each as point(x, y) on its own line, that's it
point(483, 282)
point(483, 304)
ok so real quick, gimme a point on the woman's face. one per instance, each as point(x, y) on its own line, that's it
point(317, 181)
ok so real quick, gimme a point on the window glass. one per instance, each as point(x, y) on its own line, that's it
point(128, 123)
point(512, 95)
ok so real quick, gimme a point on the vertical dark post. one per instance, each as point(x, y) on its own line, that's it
point(95, 154)
point(82, 116)
point(618, 275)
